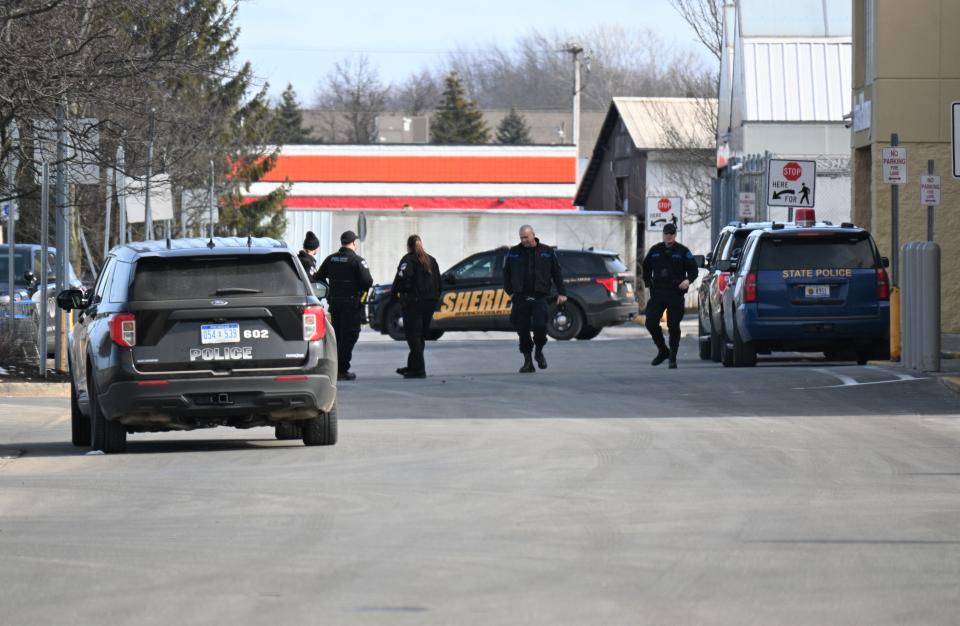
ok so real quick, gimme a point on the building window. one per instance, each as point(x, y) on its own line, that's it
point(622, 189)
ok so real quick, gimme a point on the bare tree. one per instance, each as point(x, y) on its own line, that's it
point(418, 95)
point(354, 89)
point(705, 17)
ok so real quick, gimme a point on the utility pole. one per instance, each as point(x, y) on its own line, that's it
point(62, 233)
point(575, 51)
point(148, 215)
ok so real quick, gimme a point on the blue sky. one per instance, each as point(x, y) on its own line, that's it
point(297, 41)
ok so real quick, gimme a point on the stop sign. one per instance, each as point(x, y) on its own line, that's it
point(792, 171)
point(664, 205)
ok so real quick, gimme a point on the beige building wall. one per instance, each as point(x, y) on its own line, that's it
point(907, 88)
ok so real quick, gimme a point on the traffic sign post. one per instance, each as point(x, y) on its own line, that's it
point(894, 173)
point(955, 137)
point(791, 183)
point(663, 210)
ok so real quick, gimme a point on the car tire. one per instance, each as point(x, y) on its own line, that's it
point(716, 344)
point(433, 335)
point(106, 435)
point(321, 430)
point(703, 345)
point(744, 353)
point(564, 325)
point(286, 431)
point(726, 352)
point(79, 423)
point(588, 332)
point(393, 322)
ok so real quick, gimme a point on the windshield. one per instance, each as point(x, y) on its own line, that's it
point(21, 263)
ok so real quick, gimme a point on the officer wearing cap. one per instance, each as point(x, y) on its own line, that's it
point(308, 256)
point(668, 270)
point(348, 277)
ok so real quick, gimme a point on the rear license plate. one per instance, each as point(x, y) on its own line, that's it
point(817, 291)
point(219, 333)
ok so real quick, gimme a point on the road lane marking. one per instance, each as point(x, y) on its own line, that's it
point(849, 381)
point(900, 375)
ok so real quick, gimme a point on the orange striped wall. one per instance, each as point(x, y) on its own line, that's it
point(426, 169)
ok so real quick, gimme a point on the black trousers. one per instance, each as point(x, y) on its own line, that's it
point(416, 324)
point(530, 313)
point(670, 301)
point(346, 318)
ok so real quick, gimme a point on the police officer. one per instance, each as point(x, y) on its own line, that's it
point(668, 270)
point(417, 285)
point(528, 273)
point(308, 256)
point(349, 278)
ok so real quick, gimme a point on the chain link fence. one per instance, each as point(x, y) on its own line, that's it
point(747, 174)
point(19, 335)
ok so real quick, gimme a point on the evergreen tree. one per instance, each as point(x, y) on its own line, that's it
point(288, 120)
point(458, 120)
point(513, 129)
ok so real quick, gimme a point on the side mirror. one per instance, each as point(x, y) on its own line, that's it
point(320, 290)
point(727, 266)
point(30, 278)
point(700, 259)
point(884, 261)
point(450, 279)
point(69, 299)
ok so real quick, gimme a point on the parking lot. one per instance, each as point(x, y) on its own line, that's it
point(598, 491)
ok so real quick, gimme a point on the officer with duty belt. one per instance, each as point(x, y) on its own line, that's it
point(668, 270)
point(348, 277)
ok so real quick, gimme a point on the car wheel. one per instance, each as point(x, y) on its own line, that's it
point(106, 435)
point(704, 344)
point(393, 322)
point(716, 344)
point(864, 355)
point(321, 430)
point(726, 352)
point(564, 323)
point(744, 354)
point(433, 335)
point(588, 332)
point(79, 423)
point(285, 431)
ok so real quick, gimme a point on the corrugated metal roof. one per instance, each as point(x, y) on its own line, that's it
point(669, 123)
point(797, 80)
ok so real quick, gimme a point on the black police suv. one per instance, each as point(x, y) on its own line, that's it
point(806, 287)
point(600, 293)
point(193, 333)
point(712, 285)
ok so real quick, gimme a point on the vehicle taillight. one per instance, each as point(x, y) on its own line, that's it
point(314, 323)
point(722, 280)
point(750, 288)
point(123, 329)
point(610, 284)
point(883, 285)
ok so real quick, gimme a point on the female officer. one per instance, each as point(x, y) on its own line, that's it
point(417, 286)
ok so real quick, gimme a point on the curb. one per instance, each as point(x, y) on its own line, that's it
point(951, 382)
point(44, 390)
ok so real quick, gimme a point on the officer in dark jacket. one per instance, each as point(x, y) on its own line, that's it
point(668, 270)
point(308, 256)
point(529, 273)
point(348, 277)
point(417, 286)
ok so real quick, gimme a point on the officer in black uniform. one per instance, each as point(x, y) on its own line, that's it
point(530, 269)
point(417, 286)
point(308, 256)
point(349, 278)
point(668, 270)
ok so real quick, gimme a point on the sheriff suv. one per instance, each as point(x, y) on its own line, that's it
point(600, 293)
point(194, 333)
point(806, 287)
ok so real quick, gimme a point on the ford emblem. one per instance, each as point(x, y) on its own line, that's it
point(219, 302)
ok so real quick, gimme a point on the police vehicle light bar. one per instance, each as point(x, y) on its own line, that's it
point(805, 217)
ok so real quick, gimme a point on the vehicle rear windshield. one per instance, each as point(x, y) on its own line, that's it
point(580, 264)
point(811, 252)
point(614, 264)
point(21, 262)
point(185, 278)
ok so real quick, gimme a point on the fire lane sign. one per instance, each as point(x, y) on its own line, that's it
point(929, 190)
point(791, 183)
point(894, 165)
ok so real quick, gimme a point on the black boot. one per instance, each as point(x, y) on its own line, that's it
point(527, 364)
point(541, 360)
point(662, 356)
point(673, 357)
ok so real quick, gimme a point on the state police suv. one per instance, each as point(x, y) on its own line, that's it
point(600, 293)
point(192, 333)
point(806, 287)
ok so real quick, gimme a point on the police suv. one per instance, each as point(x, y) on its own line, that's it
point(600, 293)
point(194, 333)
point(806, 287)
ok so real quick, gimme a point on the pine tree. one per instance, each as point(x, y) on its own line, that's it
point(513, 129)
point(288, 120)
point(458, 120)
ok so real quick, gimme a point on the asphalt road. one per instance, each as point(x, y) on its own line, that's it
point(599, 491)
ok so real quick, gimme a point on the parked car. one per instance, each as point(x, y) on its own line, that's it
point(183, 334)
point(601, 293)
point(806, 288)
